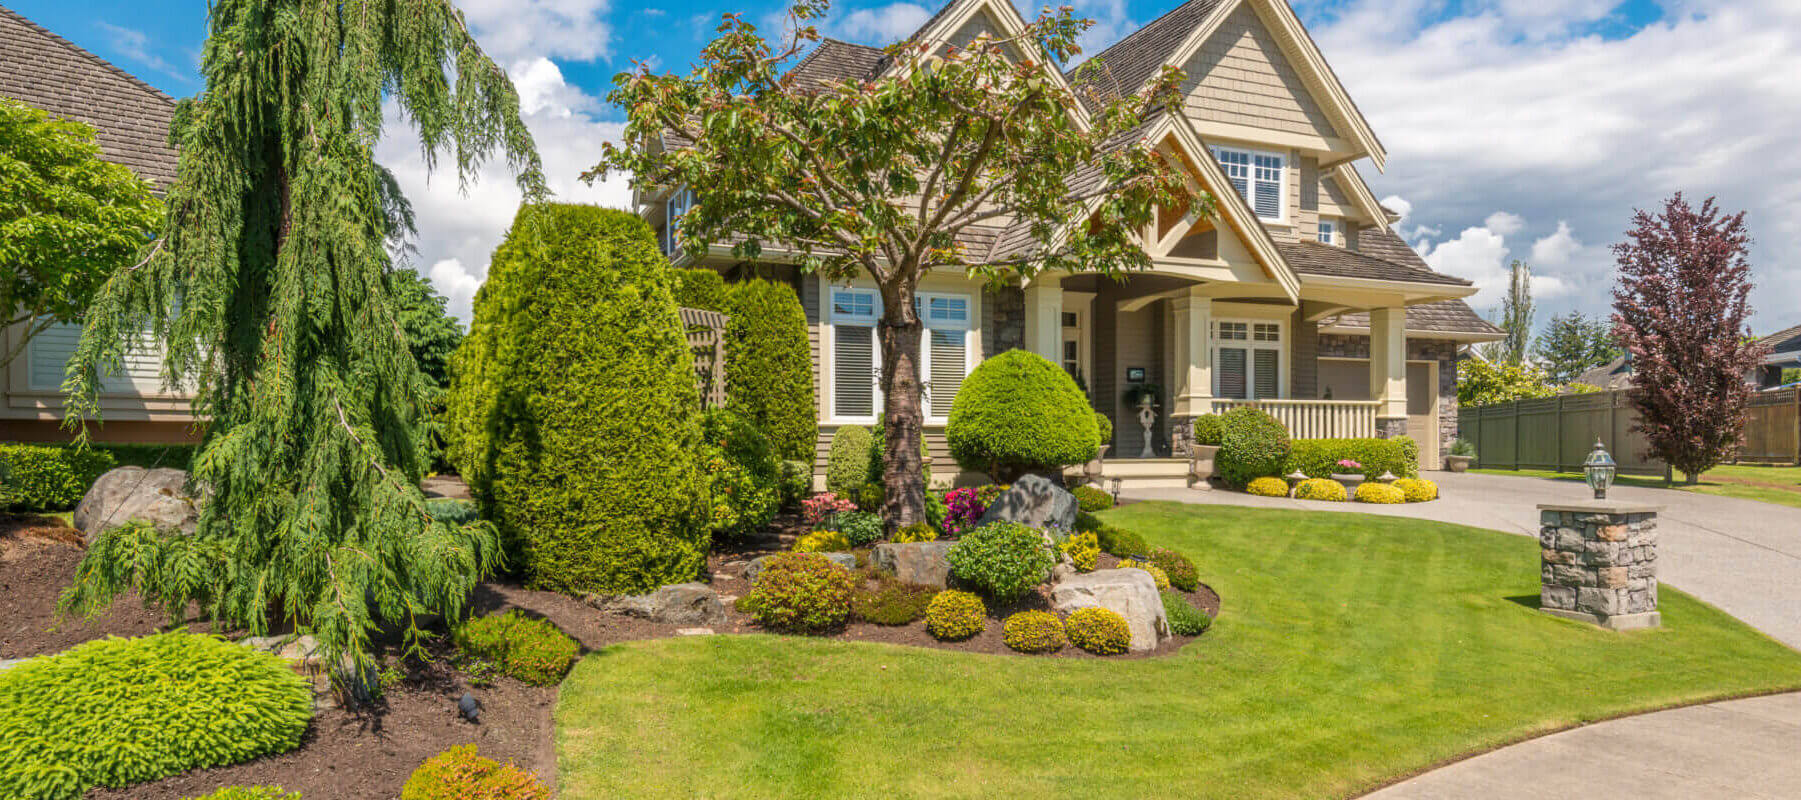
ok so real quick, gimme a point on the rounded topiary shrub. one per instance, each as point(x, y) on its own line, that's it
point(769, 365)
point(1103, 427)
point(1099, 631)
point(1002, 559)
point(460, 774)
point(1017, 413)
point(1207, 430)
point(1252, 444)
point(576, 400)
point(1184, 618)
point(1157, 574)
point(1320, 489)
point(847, 461)
point(801, 592)
point(1417, 490)
point(1268, 487)
point(1180, 570)
point(954, 616)
point(917, 532)
point(823, 540)
point(529, 649)
point(1381, 493)
point(1089, 498)
point(1034, 632)
point(115, 712)
point(1121, 543)
point(742, 474)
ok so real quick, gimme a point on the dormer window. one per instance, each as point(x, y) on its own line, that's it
point(1258, 178)
point(1328, 231)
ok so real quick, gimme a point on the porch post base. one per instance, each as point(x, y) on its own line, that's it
point(1391, 427)
point(1612, 622)
point(1181, 435)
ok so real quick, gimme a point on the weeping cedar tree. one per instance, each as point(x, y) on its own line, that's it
point(882, 178)
point(268, 291)
point(1680, 308)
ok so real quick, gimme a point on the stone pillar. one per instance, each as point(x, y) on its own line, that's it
point(1044, 317)
point(1388, 369)
point(1598, 563)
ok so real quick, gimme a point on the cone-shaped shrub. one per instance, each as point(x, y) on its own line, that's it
point(1018, 412)
point(581, 411)
point(700, 288)
point(769, 366)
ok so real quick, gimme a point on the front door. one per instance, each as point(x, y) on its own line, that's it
point(1422, 410)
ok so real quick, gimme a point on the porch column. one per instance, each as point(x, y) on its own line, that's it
point(1044, 317)
point(1388, 369)
point(1194, 367)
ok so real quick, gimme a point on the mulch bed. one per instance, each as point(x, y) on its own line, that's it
point(367, 753)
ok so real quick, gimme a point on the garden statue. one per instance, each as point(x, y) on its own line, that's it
point(1147, 418)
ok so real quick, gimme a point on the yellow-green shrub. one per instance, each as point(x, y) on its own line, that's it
point(1373, 492)
point(48, 477)
point(1321, 489)
point(1018, 412)
point(460, 774)
point(1034, 632)
point(917, 532)
point(1098, 630)
point(1157, 573)
point(1084, 550)
point(114, 712)
point(1417, 490)
point(529, 649)
point(1089, 498)
point(954, 615)
point(822, 541)
point(801, 592)
point(1268, 487)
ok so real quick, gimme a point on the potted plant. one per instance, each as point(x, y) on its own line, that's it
point(1206, 436)
point(1462, 453)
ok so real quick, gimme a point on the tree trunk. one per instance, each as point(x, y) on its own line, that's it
point(903, 483)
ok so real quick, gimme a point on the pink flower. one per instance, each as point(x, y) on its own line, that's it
point(821, 507)
point(1346, 463)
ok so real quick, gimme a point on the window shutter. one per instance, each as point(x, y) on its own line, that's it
point(1231, 373)
point(1266, 361)
point(853, 368)
point(949, 356)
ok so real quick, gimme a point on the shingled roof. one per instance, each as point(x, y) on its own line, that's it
point(1784, 344)
point(130, 118)
point(1314, 258)
point(834, 60)
point(1443, 316)
point(1133, 61)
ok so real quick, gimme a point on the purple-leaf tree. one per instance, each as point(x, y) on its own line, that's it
point(1679, 309)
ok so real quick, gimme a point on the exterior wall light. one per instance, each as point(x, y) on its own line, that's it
point(1599, 470)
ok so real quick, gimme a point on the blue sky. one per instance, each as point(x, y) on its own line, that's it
point(1525, 129)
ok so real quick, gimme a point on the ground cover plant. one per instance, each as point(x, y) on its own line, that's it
point(81, 718)
point(1351, 650)
point(528, 649)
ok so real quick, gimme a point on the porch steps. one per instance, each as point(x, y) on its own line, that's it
point(1145, 473)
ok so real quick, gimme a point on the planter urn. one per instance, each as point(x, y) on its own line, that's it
point(1458, 463)
point(1200, 464)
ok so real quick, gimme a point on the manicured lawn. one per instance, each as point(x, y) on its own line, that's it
point(1769, 484)
point(1351, 650)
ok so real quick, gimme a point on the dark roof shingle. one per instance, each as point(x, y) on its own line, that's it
point(1133, 61)
point(834, 60)
point(1783, 342)
point(130, 118)
point(1447, 316)
point(1314, 258)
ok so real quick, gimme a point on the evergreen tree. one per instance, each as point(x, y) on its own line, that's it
point(432, 334)
point(1573, 344)
point(269, 290)
point(1516, 318)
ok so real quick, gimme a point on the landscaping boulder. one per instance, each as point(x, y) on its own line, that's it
point(915, 562)
point(157, 496)
point(1130, 593)
point(845, 560)
point(1036, 502)
point(678, 604)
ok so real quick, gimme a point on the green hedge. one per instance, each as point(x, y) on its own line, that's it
point(769, 366)
point(700, 288)
point(48, 477)
point(1252, 444)
point(742, 473)
point(1016, 413)
point(1318, 458)
point(115, 712)
point(574, 406)
point(847, 461)
point(179, 456)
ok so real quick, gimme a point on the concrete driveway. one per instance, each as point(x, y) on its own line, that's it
point(1741, 555)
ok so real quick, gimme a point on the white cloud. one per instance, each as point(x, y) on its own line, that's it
point(455, 282)
point(135, 45)
point(1504, 223)
point(1555, 250)
point(1399, 205)
point(511, 30)
point(1478, 254)
point(883, 25)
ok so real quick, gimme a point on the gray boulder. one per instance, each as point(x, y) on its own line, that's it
point(1130, 593)
point(845, 560)
point(1034, 501)
point(157, 496)
point(676, 604)
point(923, 563)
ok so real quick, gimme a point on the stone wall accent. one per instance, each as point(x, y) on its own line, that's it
point(1598, 564)
point(1181, 436)
point(1391, 427)
point(1004, 317)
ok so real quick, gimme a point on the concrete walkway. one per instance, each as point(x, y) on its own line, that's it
point(1737, 748)
point(1741, 555)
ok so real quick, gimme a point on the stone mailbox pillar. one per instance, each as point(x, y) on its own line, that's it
point(1599, 563)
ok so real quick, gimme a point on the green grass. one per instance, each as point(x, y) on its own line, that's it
point(1351, 650)
point(1769, 484)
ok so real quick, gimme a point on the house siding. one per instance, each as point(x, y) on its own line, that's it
point(1241, 77)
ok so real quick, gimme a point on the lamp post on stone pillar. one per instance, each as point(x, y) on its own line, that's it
point(1598, 563)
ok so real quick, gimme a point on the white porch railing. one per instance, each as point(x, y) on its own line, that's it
point(1315, 419)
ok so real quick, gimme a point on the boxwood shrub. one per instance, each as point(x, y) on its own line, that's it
point(1252, 445)
point(1320, 489)
point(151, 456)
point(742, 474)
point(1180, 570)
point(1379, 493)
point(114, 712)
point(1002, 559)
point(955, 615)
point(769, 365)
point(529, 649)
point(1098, 630)
point(1034, 632)
point(1267, 487)
point(1417, 490)
point(48, 477)
point(1089, 498)
point(1207, 430)
point(1016, 413)
point(460, 774)
point(1121, 543)
point(847, 461)
point(802, 593)
point(1318, 458)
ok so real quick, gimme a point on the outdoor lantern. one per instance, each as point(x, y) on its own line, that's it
point(1387, 477)
point(1599, 470)
point(1116, 483)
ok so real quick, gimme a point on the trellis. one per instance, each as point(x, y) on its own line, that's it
point(706, 338)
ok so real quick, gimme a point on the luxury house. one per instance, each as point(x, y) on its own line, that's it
point(1295, 296)
point(131, 122)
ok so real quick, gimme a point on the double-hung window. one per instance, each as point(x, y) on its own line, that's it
point(1247, 360)
point(1258, 178)
point(946, 350)
point(856, 352)
point(855, 360)
point(1328, 231)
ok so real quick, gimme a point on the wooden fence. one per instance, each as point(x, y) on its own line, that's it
point(706, 338)
point(1557, 433)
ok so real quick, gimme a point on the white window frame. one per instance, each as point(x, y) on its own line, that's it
point(1328, 231)
point(1251, 180)
point(681, 201)
point(1248, 344)
point(831, 320)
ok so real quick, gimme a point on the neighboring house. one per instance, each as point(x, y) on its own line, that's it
point(1785, 353)
point(1270, 302)
point(131, 123)
point(1615, 374)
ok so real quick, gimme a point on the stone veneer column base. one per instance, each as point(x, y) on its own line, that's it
point(1617, 622)
point(1598, 564)
point(1391, 427)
